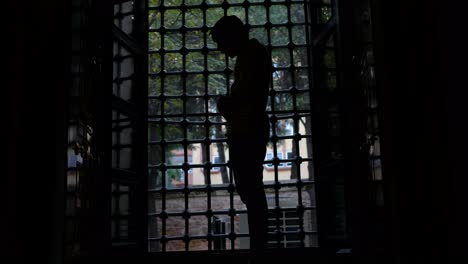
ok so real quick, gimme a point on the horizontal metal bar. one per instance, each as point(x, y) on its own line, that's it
point(182, 116)
point(227, 235)
point(120, 15)
point(199, 213)
point(216, 140)
point(166, 73)
point(202, 166)
point(203, 28)
point(227, 212)
point(192, 189)
point(326, 31)
point(191, 166)
point(181, 142)
point(118, 192)
point(119, 80)
point(123, 176)
point(206, 49)
point(123, 106)
point(225, 187)
point(314, 4)
point(122, 146)
point(127, 41)
point(153, 121)
point(186, 96)
point(115, 2)
point(217, 114)
point(117, 127)
point(288, 91)
point(210, 96)
point(196, 237)
point(159, 119)
point(118, 216)
point(201, 50)
point(122, 120)
point(286, 68)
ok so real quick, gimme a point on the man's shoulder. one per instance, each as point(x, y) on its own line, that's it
point(255, 45)
point(257, 50)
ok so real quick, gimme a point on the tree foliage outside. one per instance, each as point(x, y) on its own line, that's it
point(174, 56)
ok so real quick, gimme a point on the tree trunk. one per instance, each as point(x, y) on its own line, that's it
point(293, 164)
point(308, 129)
point(204, 158)
point(222, 159)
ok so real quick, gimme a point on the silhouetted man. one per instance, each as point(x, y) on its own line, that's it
point(248, 125)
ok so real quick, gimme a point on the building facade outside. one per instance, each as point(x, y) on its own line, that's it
point(220, 200)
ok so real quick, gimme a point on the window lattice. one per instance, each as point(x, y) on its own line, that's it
point(190, 182)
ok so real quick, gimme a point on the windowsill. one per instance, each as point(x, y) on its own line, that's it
point(282, 255)
point(283, 168)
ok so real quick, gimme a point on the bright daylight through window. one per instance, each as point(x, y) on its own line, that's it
point(192, 202)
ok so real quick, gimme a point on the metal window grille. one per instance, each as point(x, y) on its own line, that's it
point(186, 76)
point(219, 228)
point(81, 150)
point(106, 155)
point(369, 89)
point(189, 179)
point(289, 226)
point(128, 158)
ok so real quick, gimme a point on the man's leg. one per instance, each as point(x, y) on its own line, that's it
point(257, 209)
point(247, 158)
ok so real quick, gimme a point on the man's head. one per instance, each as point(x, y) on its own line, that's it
point(230, 34)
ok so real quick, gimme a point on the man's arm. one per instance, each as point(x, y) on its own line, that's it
point(225, 106)
point(254, 83)
point(249, 92)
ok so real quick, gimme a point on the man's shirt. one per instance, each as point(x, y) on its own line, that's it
point(245, 109)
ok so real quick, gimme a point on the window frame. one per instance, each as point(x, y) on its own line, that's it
point(320, 149)
point(323, 32)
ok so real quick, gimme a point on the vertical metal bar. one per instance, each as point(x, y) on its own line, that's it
point(163, 186)
point(299, 185)
point(207, 127)
point(163, 146)
point(308, 33)
point(102, 20)
point(232, 208)
point(206, 143)
point(273, 119)
point(140, 92)
point(317, 117)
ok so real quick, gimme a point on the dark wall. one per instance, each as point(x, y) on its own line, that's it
point(37, 38)
point(418, 51)
point(454, 56)
point(418, 59)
